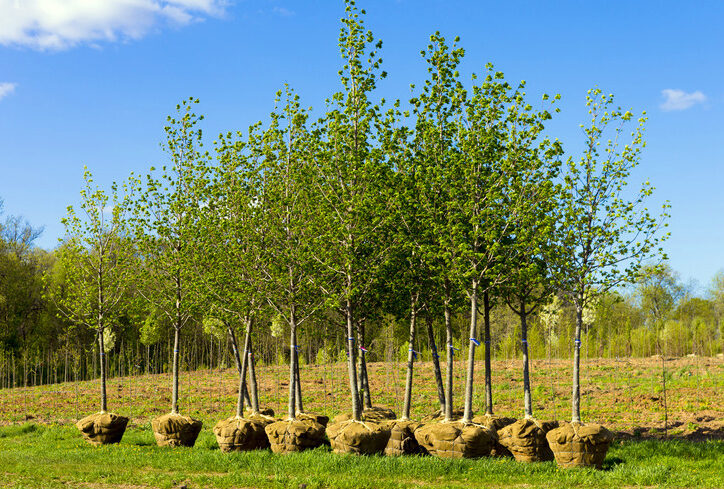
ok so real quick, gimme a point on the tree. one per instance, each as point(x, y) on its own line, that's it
point(716, 294)
point(658, 292)
point(21, 269)
point(412, 270)
point(163, 232)
point(534, 167)
point(96, 256)
point(291, 272)
point(606, 232)
point(352, 181)
point(434, 149)
point(495, 132)
point(228, 242)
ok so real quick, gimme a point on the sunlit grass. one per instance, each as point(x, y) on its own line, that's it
point(56, 456)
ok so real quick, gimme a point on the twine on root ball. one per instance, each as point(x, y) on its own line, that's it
point(102, 428)
point(580, 445)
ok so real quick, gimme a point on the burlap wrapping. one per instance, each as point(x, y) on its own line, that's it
point(456, 439)
point(379, 414)
point(175, 430)
point(580, 445)
point(492, 421)
point(495, 423)
point(319, 418)
point(240, 434)
point(358, 437)
point(102, 428)
point(402, 438)
point(374, 414)
point(260, 418)
point(266, 412)
point(526, 439)
point(294, 435)
point(440, 415)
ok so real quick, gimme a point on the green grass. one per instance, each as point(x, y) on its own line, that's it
point(56, 456)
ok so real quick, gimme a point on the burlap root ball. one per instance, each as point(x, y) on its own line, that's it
point(240, 434)
point(248, 413)
point(495, 423)
point(175, 430)
point(102, 428)
point(440, 415)
point(456, 439)
point(402, 438)
point(526, 440)
point(358, 437)
point(319, 418)
point(294, 435)
point(580, 445)
point(261, 418)
point(374, 414)
point(379, 414)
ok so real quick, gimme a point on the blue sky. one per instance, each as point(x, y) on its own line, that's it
point(91, 82)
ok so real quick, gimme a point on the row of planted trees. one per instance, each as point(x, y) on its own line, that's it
point(462, 199)
point(659, 316)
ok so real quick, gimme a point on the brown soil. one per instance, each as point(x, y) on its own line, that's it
point(625, 395)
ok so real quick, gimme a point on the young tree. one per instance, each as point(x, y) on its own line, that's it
point(495, 132)
point(352, 182)
point(434, 149)
point(716, 295)
point(528, 256)
point(607, 232)
point(290, 270)
point(412, 270)
point(96, 257)
point(227, 245)
point(658, 293)
point(163, 217)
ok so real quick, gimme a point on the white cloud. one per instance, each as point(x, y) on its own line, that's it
point(61, 24)
point(284, 12)
point(6, 89)
point(680, 100)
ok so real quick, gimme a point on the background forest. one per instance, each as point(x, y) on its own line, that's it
point(658, 314)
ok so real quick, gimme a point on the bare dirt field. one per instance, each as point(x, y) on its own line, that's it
point(626, 395)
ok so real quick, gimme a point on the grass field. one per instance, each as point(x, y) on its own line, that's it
point(55, 456)
point(39, 447)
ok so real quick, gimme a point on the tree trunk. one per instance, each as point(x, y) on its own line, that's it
point(252, 382)
point(526, 375)
point(410, 359)
point(237, 359)
point(468, 414)
point(297, 380)
point(576, 394)
point(488, 347)
point(101, 346)
point(242, 373)
point(450, 357)
point(666, 405)
point(291, 411)
point(436, 364)
point(365, 396)
point(174, 398)
point(351, 363)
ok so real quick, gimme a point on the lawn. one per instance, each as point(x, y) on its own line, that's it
point(34, 455)
point(40, 447)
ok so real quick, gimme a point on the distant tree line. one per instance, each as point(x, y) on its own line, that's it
point(658, 314)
